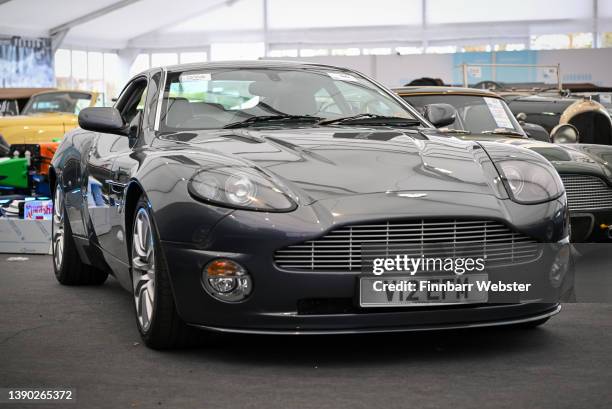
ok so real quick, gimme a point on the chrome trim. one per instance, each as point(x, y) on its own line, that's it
point(379, 330)
point(115, 187)
point(586, 192)
point(160, 98)
point(341, 249)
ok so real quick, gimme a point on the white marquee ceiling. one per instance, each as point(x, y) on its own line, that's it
point(118, 24)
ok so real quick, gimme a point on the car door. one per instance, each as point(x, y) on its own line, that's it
point(127, 164)
point(104, 193)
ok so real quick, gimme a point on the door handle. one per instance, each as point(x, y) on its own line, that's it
point(116, 187)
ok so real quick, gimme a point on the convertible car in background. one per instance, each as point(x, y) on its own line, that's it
point(249, 197)
point(586, 170)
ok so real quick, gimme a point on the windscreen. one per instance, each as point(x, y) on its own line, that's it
point(475, 113)
point(69, 102)
point(210, 99)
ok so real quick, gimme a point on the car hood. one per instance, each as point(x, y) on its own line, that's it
point(566, 158)
point(327, 162)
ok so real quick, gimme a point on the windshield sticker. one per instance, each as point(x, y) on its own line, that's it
point(202, 76)
point(499, 113)
point(340, 76)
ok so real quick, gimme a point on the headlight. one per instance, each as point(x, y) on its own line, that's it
point(530, 181)
point(241, 188)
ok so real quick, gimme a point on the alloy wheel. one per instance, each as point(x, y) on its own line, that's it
point(143, 268)
point(58, 228)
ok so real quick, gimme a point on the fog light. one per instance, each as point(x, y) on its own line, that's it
point(226, 280)
point(223, 284)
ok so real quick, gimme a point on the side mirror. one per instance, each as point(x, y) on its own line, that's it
point(535, 131)
point(102, 119)
point(564, 133)
point(440, 114)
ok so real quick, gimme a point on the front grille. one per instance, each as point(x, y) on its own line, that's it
point(587, 192)
point(342, 248)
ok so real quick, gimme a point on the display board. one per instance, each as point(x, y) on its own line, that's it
point(26, 62)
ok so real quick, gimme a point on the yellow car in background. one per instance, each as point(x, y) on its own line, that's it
point(46, 117)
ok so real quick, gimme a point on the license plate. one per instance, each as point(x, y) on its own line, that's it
point(411, 291)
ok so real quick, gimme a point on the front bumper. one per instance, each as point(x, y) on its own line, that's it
point(289, 301)
point(535, 315)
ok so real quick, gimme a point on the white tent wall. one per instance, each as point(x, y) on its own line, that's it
point(132, 27)
point(396, 70)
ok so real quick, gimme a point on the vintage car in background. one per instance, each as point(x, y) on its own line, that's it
point(551, 106)
point(46, 117)
point(13, 100)
point(603, 95)
point(30, 139)
point(586, 169)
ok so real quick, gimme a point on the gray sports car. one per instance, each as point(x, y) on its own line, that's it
point(261, 197)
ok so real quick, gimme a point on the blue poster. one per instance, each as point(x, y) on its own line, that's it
point(516, 74)
point(477, 74)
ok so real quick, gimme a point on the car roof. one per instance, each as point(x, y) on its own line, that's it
point(248, 64)
point(56, 91)
point(443, 90)
point(17, 93)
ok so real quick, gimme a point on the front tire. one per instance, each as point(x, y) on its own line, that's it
point(157, 319)
point(67, 264)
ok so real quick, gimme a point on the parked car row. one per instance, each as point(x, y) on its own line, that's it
point(586, 169)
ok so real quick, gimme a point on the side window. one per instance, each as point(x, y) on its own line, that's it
point(135, 102)
point(131, 105)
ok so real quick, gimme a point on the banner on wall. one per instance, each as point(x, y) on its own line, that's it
point(26, 63)
point(514, 74)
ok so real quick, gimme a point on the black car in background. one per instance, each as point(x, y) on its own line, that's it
point(247, 197)
point(586, 169)
point(585, 108)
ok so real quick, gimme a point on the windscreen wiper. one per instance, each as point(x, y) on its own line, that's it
point(371, 119)
point(502, 131)
point(271, 118)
